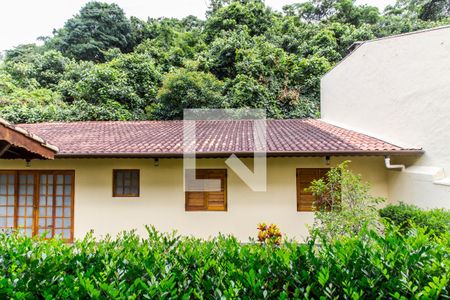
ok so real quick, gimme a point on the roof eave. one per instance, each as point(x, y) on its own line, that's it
point(408, 152)
point(21, 138)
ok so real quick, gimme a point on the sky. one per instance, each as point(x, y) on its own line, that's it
point(22, 21)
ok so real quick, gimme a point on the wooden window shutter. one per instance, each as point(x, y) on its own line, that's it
point(203, 198)
point(305, 176)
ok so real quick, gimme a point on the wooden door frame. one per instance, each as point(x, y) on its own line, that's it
point(36, 196)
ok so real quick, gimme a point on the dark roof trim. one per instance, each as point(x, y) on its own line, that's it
point(245, 154)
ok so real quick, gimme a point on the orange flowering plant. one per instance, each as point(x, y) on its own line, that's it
point(269, 235)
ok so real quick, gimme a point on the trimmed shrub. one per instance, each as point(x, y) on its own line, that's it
point(167, 266)
point(436, 221)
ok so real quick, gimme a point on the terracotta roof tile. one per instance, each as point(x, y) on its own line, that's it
point(214, 137)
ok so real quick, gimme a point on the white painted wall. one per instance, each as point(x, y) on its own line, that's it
point(398, 89)
point(162, 202)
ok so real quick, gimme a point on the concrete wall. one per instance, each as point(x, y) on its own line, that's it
point(162, 203)
point(398, 89)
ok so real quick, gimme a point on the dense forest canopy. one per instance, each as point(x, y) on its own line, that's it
point(104, 66)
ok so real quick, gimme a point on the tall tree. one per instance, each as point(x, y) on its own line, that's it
point(98, 27)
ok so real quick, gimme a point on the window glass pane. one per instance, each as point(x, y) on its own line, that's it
point(126, 190)
point(67, 201)
point(119, 178)
point(67, 212)
point(3, 211)
point(59, 179)
point(2, 200)
point(67, 223)
point(42, 200)
point(67, 190)
point(59, 189)
point(119, 190)
point(126, 183)
point(21, 211)
point(59, 212)
point(42, 211)
point(134, 190)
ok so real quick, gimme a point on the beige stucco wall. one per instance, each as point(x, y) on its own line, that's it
point(398, 89)
point(161, 202)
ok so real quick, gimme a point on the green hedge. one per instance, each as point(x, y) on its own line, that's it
point(436, 221)
point(171, 267)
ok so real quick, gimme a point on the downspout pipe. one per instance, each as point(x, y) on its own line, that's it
point(387, 162)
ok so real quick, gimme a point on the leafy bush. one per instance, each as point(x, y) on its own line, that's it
point(344, 205)
point(170, 266)
point(404, 215)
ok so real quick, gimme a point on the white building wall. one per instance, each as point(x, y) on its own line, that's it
point(398, 89)
point(162, 201)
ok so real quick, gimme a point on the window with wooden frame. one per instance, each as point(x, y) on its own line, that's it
point(200, 196)
point(37, 202)
point(305, 176)
point(126, 183)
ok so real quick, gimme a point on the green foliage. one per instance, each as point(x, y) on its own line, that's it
point(185, 89)
point(342, 11)
point(344, 206)
point(113, 66)
point(252, 15)
point(98, 27)
point(169, 266)
point(426, 10)
point(36, 70)
point(436, 221)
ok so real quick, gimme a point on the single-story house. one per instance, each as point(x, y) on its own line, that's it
point(115, 176)
point(388, 99)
